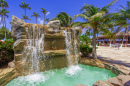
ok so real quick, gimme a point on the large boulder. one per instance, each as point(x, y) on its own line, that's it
point(102, 83)
point(123, 78)
point(16, 27)
point(54, 25)
point(114, 81)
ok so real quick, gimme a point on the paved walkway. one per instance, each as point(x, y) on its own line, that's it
point(121, 56)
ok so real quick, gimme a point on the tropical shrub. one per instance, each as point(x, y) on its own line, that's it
point(85, 39)
point(2, 33)
point(6, 52)
point(85, 49)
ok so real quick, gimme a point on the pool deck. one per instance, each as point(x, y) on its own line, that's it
point(113, 55)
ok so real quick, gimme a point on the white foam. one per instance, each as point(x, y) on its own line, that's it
point(72, 70)
point(36, 78)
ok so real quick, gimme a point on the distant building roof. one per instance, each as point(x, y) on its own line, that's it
point(118, 34)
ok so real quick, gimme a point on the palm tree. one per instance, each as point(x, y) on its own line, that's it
point(123, 18)
point(82, 25)
point(35, 15)
point(109, 34)
point(47, 20)
point(94, 17)
point(65, 19)
point(4, 5)
point(25, 17)
point(4, 13)
point(25, 6)
point(109, 31)
point(44, 12)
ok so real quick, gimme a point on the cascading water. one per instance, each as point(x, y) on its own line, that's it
point(71, 53)
point(75, 46)
point(68, 43)
point(71, 47)
point(34, 48)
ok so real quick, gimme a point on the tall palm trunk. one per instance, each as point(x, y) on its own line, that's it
point(97, 37)
point(44, 18)
point(36, 20)
point(25, 14)
point(94, 55)
point(5, 26)
point(3, 21)
point(2, 13)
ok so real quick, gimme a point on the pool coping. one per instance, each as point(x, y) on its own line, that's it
point(121, 71)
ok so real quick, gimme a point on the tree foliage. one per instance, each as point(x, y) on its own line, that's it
point(94, 17)
point(35, 15)
point(65, 19)
point(25, 6)
point(44, 11)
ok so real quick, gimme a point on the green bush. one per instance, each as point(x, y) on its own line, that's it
point(85, 49)
point(6, 52)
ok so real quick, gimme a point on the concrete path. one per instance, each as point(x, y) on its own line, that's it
point(112, 54)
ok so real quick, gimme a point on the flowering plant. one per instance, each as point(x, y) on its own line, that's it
point(6, 51)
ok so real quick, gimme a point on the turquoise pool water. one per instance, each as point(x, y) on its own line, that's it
point(70, 76)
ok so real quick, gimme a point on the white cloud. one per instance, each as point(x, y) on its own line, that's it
point(40, 21)
point(48, 13)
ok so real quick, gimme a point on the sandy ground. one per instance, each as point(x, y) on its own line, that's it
point(113, 54)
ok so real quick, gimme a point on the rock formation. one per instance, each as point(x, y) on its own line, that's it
point(35, 45)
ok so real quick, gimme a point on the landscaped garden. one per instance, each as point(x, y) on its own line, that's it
point(88, 48)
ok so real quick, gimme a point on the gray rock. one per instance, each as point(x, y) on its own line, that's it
point(102, 83)
point(123, 78)
point(54, 25)
point(114, 81)
point(11, 64)
point(124, 70)
point(81, 85)
point(16, 27)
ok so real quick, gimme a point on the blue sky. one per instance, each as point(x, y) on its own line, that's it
point(72, 7)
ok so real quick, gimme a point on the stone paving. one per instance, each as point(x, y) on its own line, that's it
point(121, 56)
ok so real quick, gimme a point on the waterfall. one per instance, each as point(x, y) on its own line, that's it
point(68, 46)
point(34, 49)
point(71, 47)
point(75, 47)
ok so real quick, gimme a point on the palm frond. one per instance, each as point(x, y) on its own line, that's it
point(81, 16)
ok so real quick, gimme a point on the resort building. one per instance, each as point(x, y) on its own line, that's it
point(117, 41)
